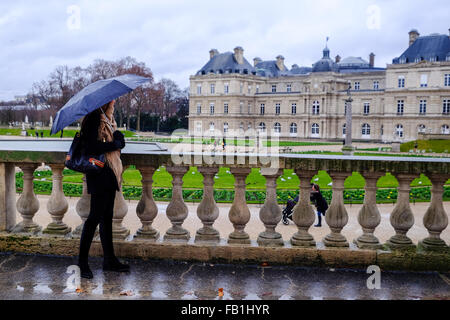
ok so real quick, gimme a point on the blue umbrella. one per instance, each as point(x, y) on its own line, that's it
point(93, 97)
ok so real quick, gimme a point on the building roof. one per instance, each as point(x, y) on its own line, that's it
point(270, 69)
point(326, 64)
point(432, 47)
point(352, 62)
point(226, 63)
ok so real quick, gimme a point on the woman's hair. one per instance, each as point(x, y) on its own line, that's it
point(316, 187)
point(90, 115)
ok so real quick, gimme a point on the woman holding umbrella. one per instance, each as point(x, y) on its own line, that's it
point(99, 135)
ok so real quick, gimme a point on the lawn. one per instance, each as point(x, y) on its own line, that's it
point(438, 146)
point(66, 134)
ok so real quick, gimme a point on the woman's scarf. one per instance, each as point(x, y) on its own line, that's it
point(105, 133)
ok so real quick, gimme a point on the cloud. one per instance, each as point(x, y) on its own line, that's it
point(173, 37)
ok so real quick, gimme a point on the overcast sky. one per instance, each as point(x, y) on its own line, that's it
point(173, 37)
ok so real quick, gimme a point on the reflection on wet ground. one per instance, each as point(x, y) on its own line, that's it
point(44, 277)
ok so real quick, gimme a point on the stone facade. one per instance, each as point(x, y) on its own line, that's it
point(310, 104)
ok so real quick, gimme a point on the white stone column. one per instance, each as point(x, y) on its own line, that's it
point(239, 214)
point(435, 219)
point(402, 218)
point(369, 216)
point(146, 209)
point(57, 205)
point(336, 215)
point(270, 213)
point(83, 208)
point(177, 211)
point(303, 214)
point(120, 211)
point(27, 204)
point(7, 196)
point(207, 211)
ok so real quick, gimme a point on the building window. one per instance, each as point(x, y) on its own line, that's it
point(376, 85)
point(225, 127)
point(421, 128)
point(211, 127)
point(198, 127)
point(417, 60)
point(400, 107)
point(366, 108)
point(249, 108)
point(249, 89)
point(277, 108)
point(399, 131)
point(241, 88)
point(262, 127)
point(447, 80)
point(262, 109)
point(226, 88)
point(357, 85)
point(315, 130)
point(445, 129)
point(199, 89)
point(199, 108)
point(401, 81)
point(446, 106)
point(277, 127)
point(294, 108)
point(225, 108)
point(344, 129)
point(345, 107)
point(289, 88)
point(423, 106)
point(274, 88)
point(213, 88)
point(293, 128)
point(423, 80)
point(241, 107)
point(257, 89)
point(316, 107)
point(211, 108)
point(382, 130)
point(365, 129)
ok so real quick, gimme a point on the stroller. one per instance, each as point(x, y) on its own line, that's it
point(287, 212)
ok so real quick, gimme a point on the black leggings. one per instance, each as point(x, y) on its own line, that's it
point(101, 212)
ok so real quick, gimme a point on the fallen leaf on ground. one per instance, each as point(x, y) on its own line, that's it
point(79, 290)
point(220, 292)
point(126, 293)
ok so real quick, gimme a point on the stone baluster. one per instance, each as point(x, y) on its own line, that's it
point(83, 208)
point(146, 209)
point(27, 204)
point(207, 211)
point(369, 216)
point(120, 211)
point(303, 214)
point(402, 218)
point(270, 213)
point(336, 215)
point(57, 205)
point(239, 214)
point(435, 219)
point(177, 211)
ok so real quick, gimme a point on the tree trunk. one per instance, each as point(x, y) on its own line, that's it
point(138, 120)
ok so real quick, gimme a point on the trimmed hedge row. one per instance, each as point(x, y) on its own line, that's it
point(227, 196)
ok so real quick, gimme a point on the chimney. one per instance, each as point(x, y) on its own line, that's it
point(280, 62)
point(239, 55)
point(256, 61)
point(372, 60)
point(413, 35)
point(338, 58)
point(213, 53)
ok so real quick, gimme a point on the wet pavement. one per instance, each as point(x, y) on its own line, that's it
point(45, 277)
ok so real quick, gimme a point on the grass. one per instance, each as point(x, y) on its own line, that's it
point(438, 146)
point(66, 134)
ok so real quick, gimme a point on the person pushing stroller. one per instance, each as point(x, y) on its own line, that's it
point(316, 198)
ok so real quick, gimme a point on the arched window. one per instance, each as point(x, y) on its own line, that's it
point(277, 127)
point(365, 130)
point(293, 128)
point(445, 129)
point(399, 131)
point(262, 127)
point(421, 128)
point(316, 107)
point(315, 130)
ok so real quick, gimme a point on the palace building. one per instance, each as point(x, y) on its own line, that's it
point(395, 103)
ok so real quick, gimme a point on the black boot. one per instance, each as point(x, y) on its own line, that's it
point(85, 271)
point(319, 223)
point(113, 264)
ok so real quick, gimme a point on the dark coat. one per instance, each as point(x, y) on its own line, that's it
point(105, 180)
point(319, 201)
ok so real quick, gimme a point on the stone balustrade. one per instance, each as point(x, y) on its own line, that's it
point(305, 166)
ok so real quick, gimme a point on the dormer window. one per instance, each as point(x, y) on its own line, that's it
point(417, 60)
point(402, 60)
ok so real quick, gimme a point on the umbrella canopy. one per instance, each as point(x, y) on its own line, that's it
point(93, 97)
